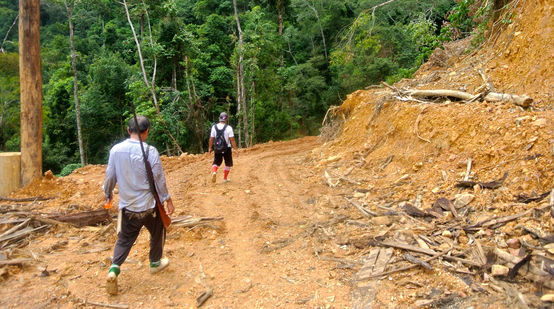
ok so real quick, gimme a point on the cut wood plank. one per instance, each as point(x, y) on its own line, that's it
point(382, 260)
point(367, 269)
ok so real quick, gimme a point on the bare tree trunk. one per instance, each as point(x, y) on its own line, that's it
point(7, 34)
point(193, 107)
point(69, 9)
point(149, 85)
point(239, 109)
point(253, 112)
point(320, 27)
point(280, 11)
point(241, 78)
point(174, 77)
point(30, 76)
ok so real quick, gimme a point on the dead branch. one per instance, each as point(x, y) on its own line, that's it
point(27, 199)
point(416, 126)
point(411, 266)
point(14, 228)
point(15, 262)
point(8, 33)
point(331, 109)
point(366, 212)
point(189, 222)
point(496, 221)
point(408, 247)
point(329, 181)
point(200, 300)
point(530, 271)
point(412, 259)
point(489, 185)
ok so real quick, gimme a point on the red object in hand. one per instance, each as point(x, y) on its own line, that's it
point(108, 204)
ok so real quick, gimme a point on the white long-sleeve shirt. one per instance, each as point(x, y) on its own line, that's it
point(126, 167)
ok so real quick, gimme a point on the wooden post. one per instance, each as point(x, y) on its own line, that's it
point(10, 177)
point(30, 77)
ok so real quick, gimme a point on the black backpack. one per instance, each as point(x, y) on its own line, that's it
point(220, 145)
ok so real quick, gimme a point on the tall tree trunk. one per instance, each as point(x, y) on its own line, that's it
point(239, 106)
point(194, 109)
point(149, 85)
point(30, 76)
point(174, 76)
point(69, 9)
point(280, 12)
point(241, 79)
point(280, 9)
point(253, 112)
point(320, 27)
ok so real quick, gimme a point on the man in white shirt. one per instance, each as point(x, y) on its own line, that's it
point(136, 201)
point(222, 151)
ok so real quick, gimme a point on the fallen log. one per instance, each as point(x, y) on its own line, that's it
point(85, 218)
point(523, 101)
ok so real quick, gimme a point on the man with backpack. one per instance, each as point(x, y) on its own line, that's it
point(221, 139)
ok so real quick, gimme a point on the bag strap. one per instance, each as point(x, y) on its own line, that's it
point(219, 131)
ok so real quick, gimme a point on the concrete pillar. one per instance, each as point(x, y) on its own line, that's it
point(10, 175)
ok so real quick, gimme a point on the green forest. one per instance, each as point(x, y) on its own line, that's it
point(275, 66)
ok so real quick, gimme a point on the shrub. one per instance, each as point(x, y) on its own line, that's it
point(68, 169)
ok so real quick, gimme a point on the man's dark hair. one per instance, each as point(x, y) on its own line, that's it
point(143, 124)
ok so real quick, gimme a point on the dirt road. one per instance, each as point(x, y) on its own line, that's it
point(263, 254)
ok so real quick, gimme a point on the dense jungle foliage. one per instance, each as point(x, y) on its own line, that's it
point(276, 76)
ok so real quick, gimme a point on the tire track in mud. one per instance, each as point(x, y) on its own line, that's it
point(262, 206)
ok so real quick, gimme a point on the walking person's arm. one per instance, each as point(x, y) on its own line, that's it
point(110, 179)
point(232, 140)
point(210, 144)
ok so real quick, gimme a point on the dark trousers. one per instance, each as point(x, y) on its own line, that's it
point(227, 155)
point(130, 229)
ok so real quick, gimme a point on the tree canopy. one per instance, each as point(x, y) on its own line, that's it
point(298, 58)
